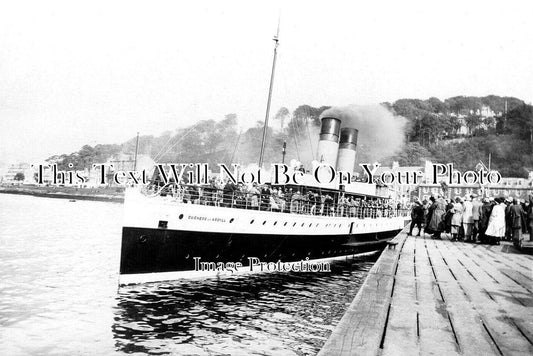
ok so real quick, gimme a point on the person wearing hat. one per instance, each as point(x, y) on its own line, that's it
point(468, 218)
point(476, 213)
point(484, 216)
point(508, 219)
point(516, 214)
point(457, 218)
point(417, 217)
point(496, 228)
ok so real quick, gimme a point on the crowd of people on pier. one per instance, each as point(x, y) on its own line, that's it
point(298, 200)
point(473, 219)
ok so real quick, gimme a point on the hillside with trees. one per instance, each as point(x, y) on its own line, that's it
point(462, 130)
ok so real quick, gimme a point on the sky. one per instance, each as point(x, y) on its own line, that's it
point(75, 73)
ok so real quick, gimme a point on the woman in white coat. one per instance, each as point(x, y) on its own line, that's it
point(457, 218)
point(496, 228)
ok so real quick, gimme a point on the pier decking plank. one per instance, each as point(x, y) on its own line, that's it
point(360, 330)
point(436, 297)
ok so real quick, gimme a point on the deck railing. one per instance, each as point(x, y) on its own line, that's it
point(297, 204)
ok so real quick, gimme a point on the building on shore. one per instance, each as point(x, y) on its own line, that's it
point(507, 187)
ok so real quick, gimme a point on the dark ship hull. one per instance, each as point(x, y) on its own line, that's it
point(166, 240)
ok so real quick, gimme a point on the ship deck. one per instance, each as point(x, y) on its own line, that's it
point(440, 297)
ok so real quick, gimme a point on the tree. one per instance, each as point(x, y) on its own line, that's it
point(281, 115)
point(473, 122)
point(413, 154)
point(520, 122)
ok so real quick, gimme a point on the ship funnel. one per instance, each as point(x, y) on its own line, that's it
point(347, 149)
point(328, 145)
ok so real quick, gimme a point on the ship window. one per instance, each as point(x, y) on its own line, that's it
point(310, 225)
point(162, 224)
point(294, 224)
point(303, 224)
point(275, 222)
point(180, 217)
point(231, 220)
point(264, 222)
point(143, 238)
point(251, 222)
point(285, 224)
point(317, 225)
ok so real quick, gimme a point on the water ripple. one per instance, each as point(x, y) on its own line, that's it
point(58, 282)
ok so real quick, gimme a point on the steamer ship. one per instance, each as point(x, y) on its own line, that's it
point(164, 234)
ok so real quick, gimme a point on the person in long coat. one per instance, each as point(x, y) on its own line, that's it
point(417, 217)
point(448, 216)
point(476, 215)
point(486, 209)
point(516, 216)
point(457, 218)
point(436, 224)
point(496, 228)
point(468, 218)
point(530, 217)
point(429, 213)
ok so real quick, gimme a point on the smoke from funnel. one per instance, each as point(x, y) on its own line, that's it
point(381, 134)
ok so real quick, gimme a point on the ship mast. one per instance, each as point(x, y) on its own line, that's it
point(265, 127)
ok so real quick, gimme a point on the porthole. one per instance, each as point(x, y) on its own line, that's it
point(285, 224)
point(180, 217)
point(251, 222)
point(231, 220)
point(293, 225)
point(310, 225)
point(316, 225)
point(275, 222)
point(143, 238)
point(264, 222)
point(303, 224)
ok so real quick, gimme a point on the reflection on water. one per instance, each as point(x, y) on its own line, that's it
point(266, 314)
point(59, 296)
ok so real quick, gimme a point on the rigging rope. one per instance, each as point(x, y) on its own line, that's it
point(178, 141)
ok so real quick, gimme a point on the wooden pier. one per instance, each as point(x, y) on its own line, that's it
point(437, 297)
